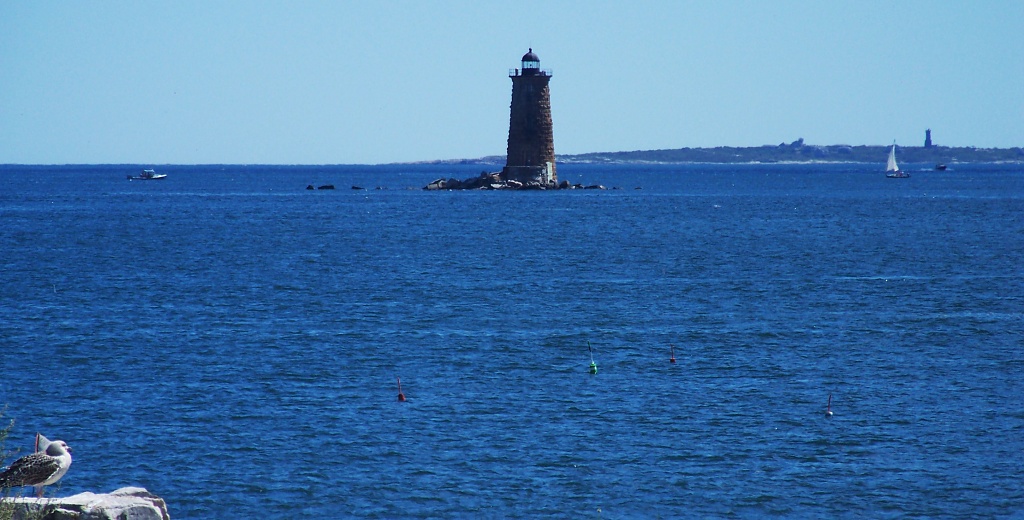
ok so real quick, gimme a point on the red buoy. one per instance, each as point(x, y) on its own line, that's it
point(673, 358)
point(401, 396)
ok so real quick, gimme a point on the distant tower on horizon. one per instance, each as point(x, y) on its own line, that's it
point(928, 138)
point(531, 141)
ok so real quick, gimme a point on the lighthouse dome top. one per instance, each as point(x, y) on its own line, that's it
point(530, 66)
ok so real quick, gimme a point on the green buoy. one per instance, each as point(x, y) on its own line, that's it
point(593, 366)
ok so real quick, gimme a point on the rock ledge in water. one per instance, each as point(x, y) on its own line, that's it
point(494, 181)
point(132, 503)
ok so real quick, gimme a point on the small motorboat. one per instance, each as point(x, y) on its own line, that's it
point(147, 175)
point(940, 167)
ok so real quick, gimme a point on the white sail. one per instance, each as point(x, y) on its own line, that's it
point(891, 165)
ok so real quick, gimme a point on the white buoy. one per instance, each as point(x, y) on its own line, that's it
point(828, 410)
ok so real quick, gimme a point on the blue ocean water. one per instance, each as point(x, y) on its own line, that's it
point(231, 341)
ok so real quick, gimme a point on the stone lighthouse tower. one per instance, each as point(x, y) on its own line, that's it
point(531, 142)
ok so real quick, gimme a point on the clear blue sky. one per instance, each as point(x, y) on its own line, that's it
point(325, 82)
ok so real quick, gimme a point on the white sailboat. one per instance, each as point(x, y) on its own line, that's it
point(892, 170)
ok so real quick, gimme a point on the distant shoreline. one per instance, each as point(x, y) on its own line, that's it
point(796, 152)
point(792, 153)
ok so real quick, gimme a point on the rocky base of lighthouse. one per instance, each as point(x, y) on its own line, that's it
point(494, 181)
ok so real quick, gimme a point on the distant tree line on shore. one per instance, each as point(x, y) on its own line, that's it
point(798, 151)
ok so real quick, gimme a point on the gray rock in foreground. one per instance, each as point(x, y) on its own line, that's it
point(129, 503)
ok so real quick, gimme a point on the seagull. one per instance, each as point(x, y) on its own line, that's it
point(39, 469)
